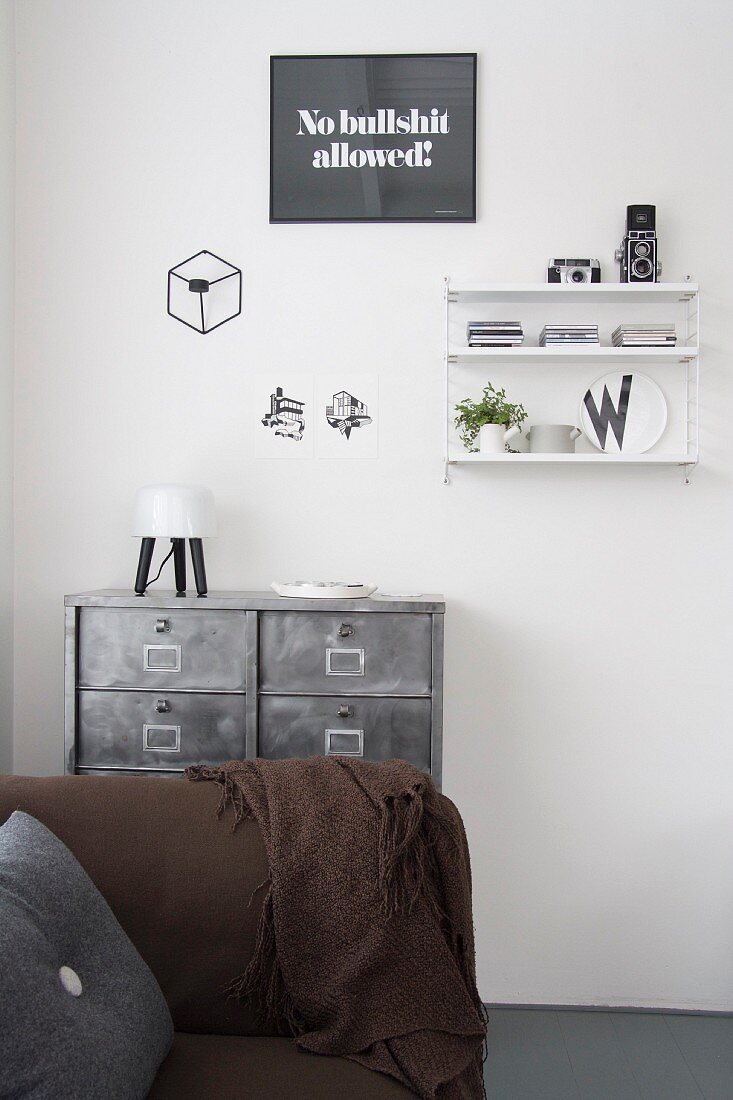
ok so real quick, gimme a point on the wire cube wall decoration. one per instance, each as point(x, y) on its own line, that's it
point(204, 291)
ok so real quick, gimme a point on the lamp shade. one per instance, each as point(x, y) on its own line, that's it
point(174, 511)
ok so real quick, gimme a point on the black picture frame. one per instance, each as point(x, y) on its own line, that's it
point(322, 169)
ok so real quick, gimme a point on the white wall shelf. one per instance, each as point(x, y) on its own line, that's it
point(550, 381)
point(598, 459)
point(565, 292)
point(599, 355)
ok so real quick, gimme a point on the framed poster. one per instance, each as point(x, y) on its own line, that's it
point(373, 138)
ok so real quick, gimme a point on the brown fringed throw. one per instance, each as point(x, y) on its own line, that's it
point(365, 942)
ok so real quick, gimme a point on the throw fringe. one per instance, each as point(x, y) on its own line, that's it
point(409, 826)
point(402, 854)
point(262, 985)
point(475, 1072)
point(231, 792)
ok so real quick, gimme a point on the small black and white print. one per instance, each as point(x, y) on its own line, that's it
point(281, 415)
point(285, 416)
point(347, 415)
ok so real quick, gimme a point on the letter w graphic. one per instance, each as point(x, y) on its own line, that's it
point(609, 415)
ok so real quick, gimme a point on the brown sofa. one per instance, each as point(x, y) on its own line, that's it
point(180, 883)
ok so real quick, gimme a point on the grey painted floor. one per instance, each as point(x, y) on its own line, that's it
point(538, 1054)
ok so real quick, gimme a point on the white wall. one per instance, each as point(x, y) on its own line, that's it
point(7, 218)
point(588, 730)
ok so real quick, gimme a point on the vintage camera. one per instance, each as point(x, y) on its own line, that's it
point(637, 253)
point(573, 271)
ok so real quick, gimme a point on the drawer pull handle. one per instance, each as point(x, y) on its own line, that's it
point(344, 742)
point(345, 711)
point(346, 630)
point(162, 626)
point(162, 706)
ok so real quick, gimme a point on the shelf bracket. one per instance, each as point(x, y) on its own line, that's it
point(688, 467)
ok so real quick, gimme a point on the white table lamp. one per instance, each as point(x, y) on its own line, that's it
point(177, 512)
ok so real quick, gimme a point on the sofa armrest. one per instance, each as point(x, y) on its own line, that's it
point(177, 879)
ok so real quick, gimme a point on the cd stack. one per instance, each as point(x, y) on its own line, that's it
point(644, 336)
point(553, 336)
point(494, 334)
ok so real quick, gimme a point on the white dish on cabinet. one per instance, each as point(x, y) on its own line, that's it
point(323, 590)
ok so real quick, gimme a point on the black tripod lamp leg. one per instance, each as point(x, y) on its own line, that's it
point(179, 561)
point(143, 566)
point(199, 569)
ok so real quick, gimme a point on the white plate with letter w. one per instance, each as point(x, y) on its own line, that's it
point(623, 411)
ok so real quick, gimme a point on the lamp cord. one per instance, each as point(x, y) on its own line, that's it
point(155, 578)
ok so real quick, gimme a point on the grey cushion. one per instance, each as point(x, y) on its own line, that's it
point(81, 1015)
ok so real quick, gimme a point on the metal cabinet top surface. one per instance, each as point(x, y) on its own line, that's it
point(255, 601)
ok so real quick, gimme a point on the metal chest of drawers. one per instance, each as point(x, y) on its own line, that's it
point(158, 682)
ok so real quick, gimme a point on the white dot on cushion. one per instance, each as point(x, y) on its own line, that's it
point(70, 980)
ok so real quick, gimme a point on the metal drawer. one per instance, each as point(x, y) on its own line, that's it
point(362, 652)
point(373, 729)
point(162, 648)
point(159, 731)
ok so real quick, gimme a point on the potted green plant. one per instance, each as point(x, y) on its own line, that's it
point(493, 421)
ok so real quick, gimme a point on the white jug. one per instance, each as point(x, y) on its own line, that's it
point(492, 438)
point(556, 439)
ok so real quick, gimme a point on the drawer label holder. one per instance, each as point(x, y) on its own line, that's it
point(164, 738)
point(344, 742)
point(345, 662)
point(161, 658)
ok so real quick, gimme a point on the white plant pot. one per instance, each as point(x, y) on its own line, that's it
point(492, 438)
